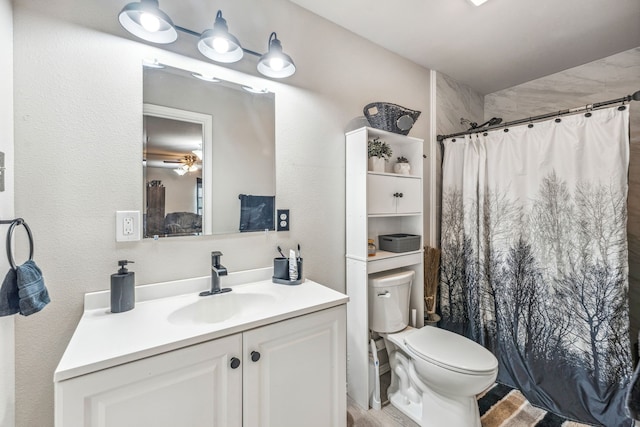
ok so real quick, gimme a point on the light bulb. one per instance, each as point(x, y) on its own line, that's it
point(220, 45)
point(276, 64)
point(150, 22)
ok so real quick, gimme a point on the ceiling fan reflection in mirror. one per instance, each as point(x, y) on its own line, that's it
point(188, 164)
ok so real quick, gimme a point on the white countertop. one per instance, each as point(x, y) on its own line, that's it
point(103, 339)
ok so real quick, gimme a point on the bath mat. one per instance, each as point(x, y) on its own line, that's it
point(503, 406)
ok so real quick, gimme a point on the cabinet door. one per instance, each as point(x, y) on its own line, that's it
point(191, 387)
point(410, 200)
point(298, 377)
point(387, 194)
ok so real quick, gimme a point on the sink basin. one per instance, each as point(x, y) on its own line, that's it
point(221, 307)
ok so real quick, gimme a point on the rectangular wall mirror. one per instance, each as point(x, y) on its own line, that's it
point(209, 155)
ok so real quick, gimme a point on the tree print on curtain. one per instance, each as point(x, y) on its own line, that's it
point(534, 263)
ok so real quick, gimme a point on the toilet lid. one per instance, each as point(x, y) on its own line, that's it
point(451, 351)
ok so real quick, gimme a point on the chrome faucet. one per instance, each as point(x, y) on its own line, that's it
point(217, 270)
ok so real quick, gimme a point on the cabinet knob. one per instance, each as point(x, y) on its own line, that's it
point(400, 194)
point(255, 356)
point(235, 363)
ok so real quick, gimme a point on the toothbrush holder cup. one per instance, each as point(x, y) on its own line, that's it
point(281, 268)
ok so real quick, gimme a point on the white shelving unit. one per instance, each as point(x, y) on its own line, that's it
point(372, 209)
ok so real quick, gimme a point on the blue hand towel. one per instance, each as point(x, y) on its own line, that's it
point(256, 212)
point(32, 293)
point(9, 300)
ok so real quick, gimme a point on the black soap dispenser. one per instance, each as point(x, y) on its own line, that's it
point(123, 296)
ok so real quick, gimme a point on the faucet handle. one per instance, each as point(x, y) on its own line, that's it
point(215, 258)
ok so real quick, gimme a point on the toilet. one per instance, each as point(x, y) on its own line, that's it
point(435, 373)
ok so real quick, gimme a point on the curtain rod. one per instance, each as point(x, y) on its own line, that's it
point(588, 107)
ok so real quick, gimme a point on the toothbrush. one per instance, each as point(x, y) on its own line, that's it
point(280, 250)
point(299, 258)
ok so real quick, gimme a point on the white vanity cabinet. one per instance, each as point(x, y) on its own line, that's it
point(378, 203)
point(193, 386)
point(288, 373)
point(298, 378)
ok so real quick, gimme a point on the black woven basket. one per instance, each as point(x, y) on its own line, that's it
point(390, 117)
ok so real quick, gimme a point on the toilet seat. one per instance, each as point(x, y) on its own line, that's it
point(450, 351)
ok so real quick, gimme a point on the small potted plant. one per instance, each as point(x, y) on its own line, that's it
point(402, 166)
point(379, 153)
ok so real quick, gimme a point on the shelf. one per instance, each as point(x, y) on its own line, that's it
point(373, 208)
point(396, 175)
point(392, 215)
point(380, 255)
point(383, 261)
point(389, 136)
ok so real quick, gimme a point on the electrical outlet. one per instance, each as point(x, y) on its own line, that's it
point(127, 226)
point(283, 220)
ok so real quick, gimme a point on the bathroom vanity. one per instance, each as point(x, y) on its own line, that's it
point(261, 355)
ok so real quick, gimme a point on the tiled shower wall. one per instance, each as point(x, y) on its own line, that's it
point(453, 101)
point(608, 78)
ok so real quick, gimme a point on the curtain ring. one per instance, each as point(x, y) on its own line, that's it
point(18, 221)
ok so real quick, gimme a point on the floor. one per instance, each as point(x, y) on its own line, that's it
point(388, 416)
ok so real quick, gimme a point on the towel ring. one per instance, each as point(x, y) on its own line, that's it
point(18, 221)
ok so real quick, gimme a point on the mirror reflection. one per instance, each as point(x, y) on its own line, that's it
point(209, 156)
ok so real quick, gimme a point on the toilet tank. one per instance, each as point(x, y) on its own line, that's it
point(389, 294)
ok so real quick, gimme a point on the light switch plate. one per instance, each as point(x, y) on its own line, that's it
point(127, 226)
point(283, 219)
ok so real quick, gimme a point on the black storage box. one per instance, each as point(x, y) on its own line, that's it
point(399, 242)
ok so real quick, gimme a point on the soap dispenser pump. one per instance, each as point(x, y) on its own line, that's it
point(122, 289)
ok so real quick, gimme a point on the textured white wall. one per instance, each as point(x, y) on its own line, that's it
point(78, 124)
point(7, 368)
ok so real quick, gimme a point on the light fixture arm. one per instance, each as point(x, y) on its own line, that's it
point(272, 37)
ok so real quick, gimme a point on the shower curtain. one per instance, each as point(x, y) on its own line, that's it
point(534, 258)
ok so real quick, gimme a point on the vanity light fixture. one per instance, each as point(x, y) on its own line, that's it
point(145, 20)
point(218, 44)
point(478, 2)
point(198, 153)
point(180, 171)
point(275, 63)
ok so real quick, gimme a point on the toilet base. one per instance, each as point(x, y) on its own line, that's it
point(440, 410)
point(437, 410)
point(411, 409)
point(419, 402)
